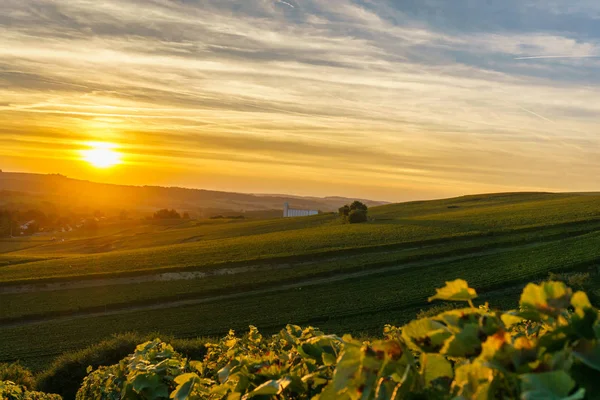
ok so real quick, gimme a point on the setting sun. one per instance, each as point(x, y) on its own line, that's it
point(101, 155)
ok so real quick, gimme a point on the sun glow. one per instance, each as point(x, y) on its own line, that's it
point(101, 155)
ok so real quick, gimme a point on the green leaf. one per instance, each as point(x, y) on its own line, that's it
point(329, 359)
point(509, 319)
point(270, 388)
point(347, 367)
point(435, 366)
point(473, 380)
point(580, 301)
point(554, 385)
point(426, 334)
point(465, 343)
point(550, 298)
point(150, 384)
point(186, 383)
point(585, 316)
point(224, 372)
point(457, 290)
point(588, 353)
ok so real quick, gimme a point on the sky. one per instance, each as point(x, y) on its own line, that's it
point(383, 99)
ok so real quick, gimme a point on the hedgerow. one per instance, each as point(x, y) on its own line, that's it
point(548, 349)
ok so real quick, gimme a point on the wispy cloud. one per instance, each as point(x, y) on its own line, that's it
point(385, 97)
point(285, 3)
point(542, 57)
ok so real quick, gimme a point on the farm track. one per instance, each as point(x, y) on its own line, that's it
point(267, 290)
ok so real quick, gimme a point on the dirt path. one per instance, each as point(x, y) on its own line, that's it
point(285, 287)
point(166, 276)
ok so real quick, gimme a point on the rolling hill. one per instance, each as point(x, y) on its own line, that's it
point(30, 190)
point(203, 277)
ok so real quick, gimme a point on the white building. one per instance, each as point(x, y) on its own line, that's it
point(292, 212)
point(25, 226)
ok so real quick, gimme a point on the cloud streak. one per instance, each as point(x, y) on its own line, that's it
point(543, 57)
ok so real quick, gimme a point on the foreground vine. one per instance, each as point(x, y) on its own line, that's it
point(547, 349)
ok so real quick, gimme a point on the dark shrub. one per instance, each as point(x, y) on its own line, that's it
point(18, 374)
point(66, 373)
point(354, 213)
point(357, 216)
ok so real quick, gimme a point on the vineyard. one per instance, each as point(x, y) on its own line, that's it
point(548, 348)
point(190, 279)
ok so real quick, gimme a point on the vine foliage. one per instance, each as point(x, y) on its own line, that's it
point(549, 348)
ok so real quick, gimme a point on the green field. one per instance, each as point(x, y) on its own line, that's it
point(63, 295)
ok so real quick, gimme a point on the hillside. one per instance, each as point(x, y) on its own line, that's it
point(201, 278)
point(34, 189)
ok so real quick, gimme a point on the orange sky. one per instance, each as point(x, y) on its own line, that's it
point(309, 98)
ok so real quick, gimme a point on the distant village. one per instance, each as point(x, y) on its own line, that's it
point(36, 223)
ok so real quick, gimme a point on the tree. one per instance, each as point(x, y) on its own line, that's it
point(186, 215)
point(357, 205)
point(344, 211)
point(167, 214)
point(354, 213)
point(357, 216)
point(8, 224)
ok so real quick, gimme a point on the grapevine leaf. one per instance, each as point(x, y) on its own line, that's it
point(584, 317)
point(549, 298)
point(435, 366)
point(465, 343)
point(457, 290)
point(186, 383)
point(554, 385)
point(510, 318)
point(588, 353)
point(347, 367)
point(270, 388)
point(329, 393)
point(473, 380)
point(151, 384)
point(426, 334)
point(329, 359)
point(457, 319)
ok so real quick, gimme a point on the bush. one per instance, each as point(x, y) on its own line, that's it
point(148, 373)
point(11, 391)
point(67, 372)
point(18, 374)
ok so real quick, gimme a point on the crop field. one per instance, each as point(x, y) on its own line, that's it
point(200, 278)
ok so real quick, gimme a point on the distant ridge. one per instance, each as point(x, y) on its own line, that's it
point(58, 188)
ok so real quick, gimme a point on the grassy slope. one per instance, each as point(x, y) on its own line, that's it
point(356, 305)
point(61, 302)
point(217, 243)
